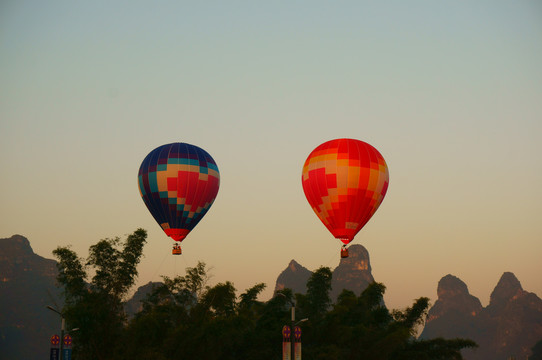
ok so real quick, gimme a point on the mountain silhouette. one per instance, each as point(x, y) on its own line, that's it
point(353, 273)
point(294, 277)
point(135, 303)
point(27, 286)
point(509, 326)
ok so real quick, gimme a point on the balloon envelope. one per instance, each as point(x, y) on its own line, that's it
point(345, 181)
point(178, 182)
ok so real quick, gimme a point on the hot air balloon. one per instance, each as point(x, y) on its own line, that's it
point(345, 181)
point(178, 182)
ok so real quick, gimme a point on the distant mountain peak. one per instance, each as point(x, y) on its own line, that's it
point(509, 326)
point(507, 288)
point(294, 277)
point(450, 286)
point(18, 260)
point(454, 302)
point(16, 244)
point(358, 258)
point(27, 285)
point(353, 273)
point(294, 266)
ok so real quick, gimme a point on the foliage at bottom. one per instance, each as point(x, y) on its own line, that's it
point(185, 318)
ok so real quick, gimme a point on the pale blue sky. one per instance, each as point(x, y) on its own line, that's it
point(449, 92)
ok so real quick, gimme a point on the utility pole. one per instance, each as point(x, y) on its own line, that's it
point(61, 329)
point(292, 335)
point(292, 344)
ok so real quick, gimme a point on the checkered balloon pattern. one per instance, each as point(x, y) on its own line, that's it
point(178, 182)
point(345, 181)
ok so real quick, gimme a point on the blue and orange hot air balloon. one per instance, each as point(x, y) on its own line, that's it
point(345, 181)
point(178, 182)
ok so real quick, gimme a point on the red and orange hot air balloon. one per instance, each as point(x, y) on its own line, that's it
point(345, 181)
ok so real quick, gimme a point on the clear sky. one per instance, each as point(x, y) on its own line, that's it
point(450, 93)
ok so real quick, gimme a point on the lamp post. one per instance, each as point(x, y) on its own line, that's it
point(61, 328)
point(292, 340)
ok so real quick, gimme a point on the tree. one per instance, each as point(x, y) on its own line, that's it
point(248, 299)
point(97, 308)
point(220, 299)
point(317, 301)
point(536, 351)
point(171, 317)
point(363, 328)
point(184, 318)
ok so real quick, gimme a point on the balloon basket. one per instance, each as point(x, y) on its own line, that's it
point(176, 250)
point(344, 253)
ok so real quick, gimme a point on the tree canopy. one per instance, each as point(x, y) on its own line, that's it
point(186, 318)
point(96, 308)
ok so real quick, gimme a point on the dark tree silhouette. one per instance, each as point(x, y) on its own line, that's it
point(97, 308)
point(184, 318)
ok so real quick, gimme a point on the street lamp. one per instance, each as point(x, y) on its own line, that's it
point(292, 340)
point(61, 328)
